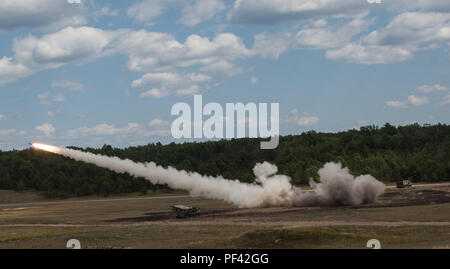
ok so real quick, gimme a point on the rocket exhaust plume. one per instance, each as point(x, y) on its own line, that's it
point(336, 187)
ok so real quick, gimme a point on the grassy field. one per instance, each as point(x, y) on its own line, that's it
point(134, 221)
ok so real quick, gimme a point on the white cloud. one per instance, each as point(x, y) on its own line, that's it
point(315, 35)
point(431, 88)
point(150, 51)
point(194, 89)
point(417, 101)
point(71, 45)
point(413, 28)
point(185, 83)
point(146, 11)
point(412, 101)
point(368, 55)
point(10, 71)
point(254, 80)
point(425, 5)
point(66, 84)
point(397, 104)
point(155, 93)
point(399, 40)
point(275, 11)
point(324, 36)
point(46, 128)
point(15, 14)
point(344, 39)
point(271, 46)
point(156, 122)
point(169, 79)
point(106, 11)
point(193, 12)
point(146, 51)
point(305, 121)
point(2, 117)
point(200, 10)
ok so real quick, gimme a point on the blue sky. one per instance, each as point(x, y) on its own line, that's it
point(109, 72)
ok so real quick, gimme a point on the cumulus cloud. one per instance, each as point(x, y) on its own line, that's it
point(46, 128)
point(315, 35)
point(347, 37)
point(369, 55)
point(194, 89)
point(70, 45)
point(271, 46)
point(15, 14)
point(193, 12)
point(275, 11)
point(156, 122)
point(145, 11)
point(106, 11)
point(425, 5)
point(200, 10)
point(413, 28)
point(2, 117)
point(407, 33)
point(155, 93)
point(146, 51)
point(431, 88)
point(185, 84)
point(304, 120)
point(150, 51)
point(320, 35)
point(169, 79)
point(412, 101)
point(10, 71)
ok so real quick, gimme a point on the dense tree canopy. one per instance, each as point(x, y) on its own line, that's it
point(421, 153)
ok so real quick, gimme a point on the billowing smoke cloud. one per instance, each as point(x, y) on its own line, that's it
point(336, 187)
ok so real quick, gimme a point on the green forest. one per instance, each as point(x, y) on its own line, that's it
point(389, 153)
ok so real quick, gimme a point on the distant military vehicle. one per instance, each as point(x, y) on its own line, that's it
point(182, 211)
point(404, 183)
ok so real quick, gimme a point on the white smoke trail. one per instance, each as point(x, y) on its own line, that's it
point(337, 186)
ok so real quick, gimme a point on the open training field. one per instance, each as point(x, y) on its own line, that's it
point(418, 217)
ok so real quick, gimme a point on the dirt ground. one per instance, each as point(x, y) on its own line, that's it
point(417, 217)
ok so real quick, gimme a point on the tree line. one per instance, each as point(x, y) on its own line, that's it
point(389, 153)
